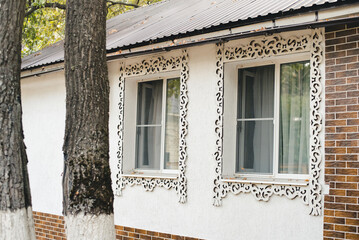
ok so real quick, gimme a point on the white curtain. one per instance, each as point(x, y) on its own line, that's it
point(294, 118)
point(263, 108)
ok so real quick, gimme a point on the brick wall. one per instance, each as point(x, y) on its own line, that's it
point(49, 226)
point(341, 208)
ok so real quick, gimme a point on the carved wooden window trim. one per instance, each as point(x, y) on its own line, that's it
point(311, 193)
point(152, 66)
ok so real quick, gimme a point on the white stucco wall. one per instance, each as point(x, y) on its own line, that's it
point(43, 103)
point(239, 217)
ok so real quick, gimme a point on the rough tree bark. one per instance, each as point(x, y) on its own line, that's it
point(16, 220)
point(88, 196)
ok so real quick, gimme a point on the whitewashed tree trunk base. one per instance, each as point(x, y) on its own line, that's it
point(17, 224)
point(90, 227)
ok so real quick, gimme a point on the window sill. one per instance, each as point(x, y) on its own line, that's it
point(151, 175)
point(267, 181)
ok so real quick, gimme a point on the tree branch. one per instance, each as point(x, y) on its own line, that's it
point(63, 6)
point(46, 5)
point(112, 3)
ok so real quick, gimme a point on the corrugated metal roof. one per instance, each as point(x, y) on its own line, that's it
point(171, 18)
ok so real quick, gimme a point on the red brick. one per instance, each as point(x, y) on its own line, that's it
point(335, 150)
point(352, 207)
point(352, 93)
point(329, 102)
point(145, 237)
point(335, 95)
point(353, 108)
point(352, 200)
point(329, 75)
point(352, 236)
point(350, 129)
point(344, 46)
point(330, 130)
point(347, 87)
point(341, 122)
point(346, 115)
point(346, 171)
point(347, 157)
point(328, 212)
point(336, 68)
point(335, 41)
point(353, 65)
point(328, 198)
point(329, 144)
point(335, 178)
point(329, 171)
point(329, 35)
point(165, 235)
point(334, 206)
point(330, 62)
point(129, 229)
point(353, 164)
point(353, 80)
point(347, 101)
point(354, 193)
point(333, 234)
point(330, 49)
point(353, 38)
point(352, 135)
point(347, 143)
point(329, 89)
point(344, 33)
point(134, 235)
point(352, 52)
point(345, 214)
point(335, 136)
point(352, 221)
point(340, 54)
point(141, 231)
point(343, 185)
point(353, 150)
point(344, 228)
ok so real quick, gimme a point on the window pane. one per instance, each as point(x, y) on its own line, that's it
point(172, 124)
point(149, 105)
point(148, 147)
point(256, 92)
point(255, 146)
point(294, 118)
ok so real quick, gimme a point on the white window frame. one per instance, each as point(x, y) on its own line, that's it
point(164, 79)
point(247, 50)
point(154, 67)
point(302, 179)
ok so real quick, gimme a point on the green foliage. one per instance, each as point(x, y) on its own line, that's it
point(43, 27)
point(46, 26)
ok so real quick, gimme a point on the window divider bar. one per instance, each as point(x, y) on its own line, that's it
point(253, 119)
point(149, 125)
point(163, 125)
point(276, 121)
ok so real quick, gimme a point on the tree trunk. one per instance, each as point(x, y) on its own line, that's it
point(88, 196)
point(15, 200)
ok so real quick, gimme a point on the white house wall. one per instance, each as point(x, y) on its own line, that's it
point(239, 217)
point(43, 102)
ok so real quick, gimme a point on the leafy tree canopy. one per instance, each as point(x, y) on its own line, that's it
point(45, 21)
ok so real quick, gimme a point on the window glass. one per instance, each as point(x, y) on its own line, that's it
point(294, 118)
point(255, 148)
point(256, 92)
point(255, 120)
point(148, 130)
point(149, 103)
point(172, 124)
